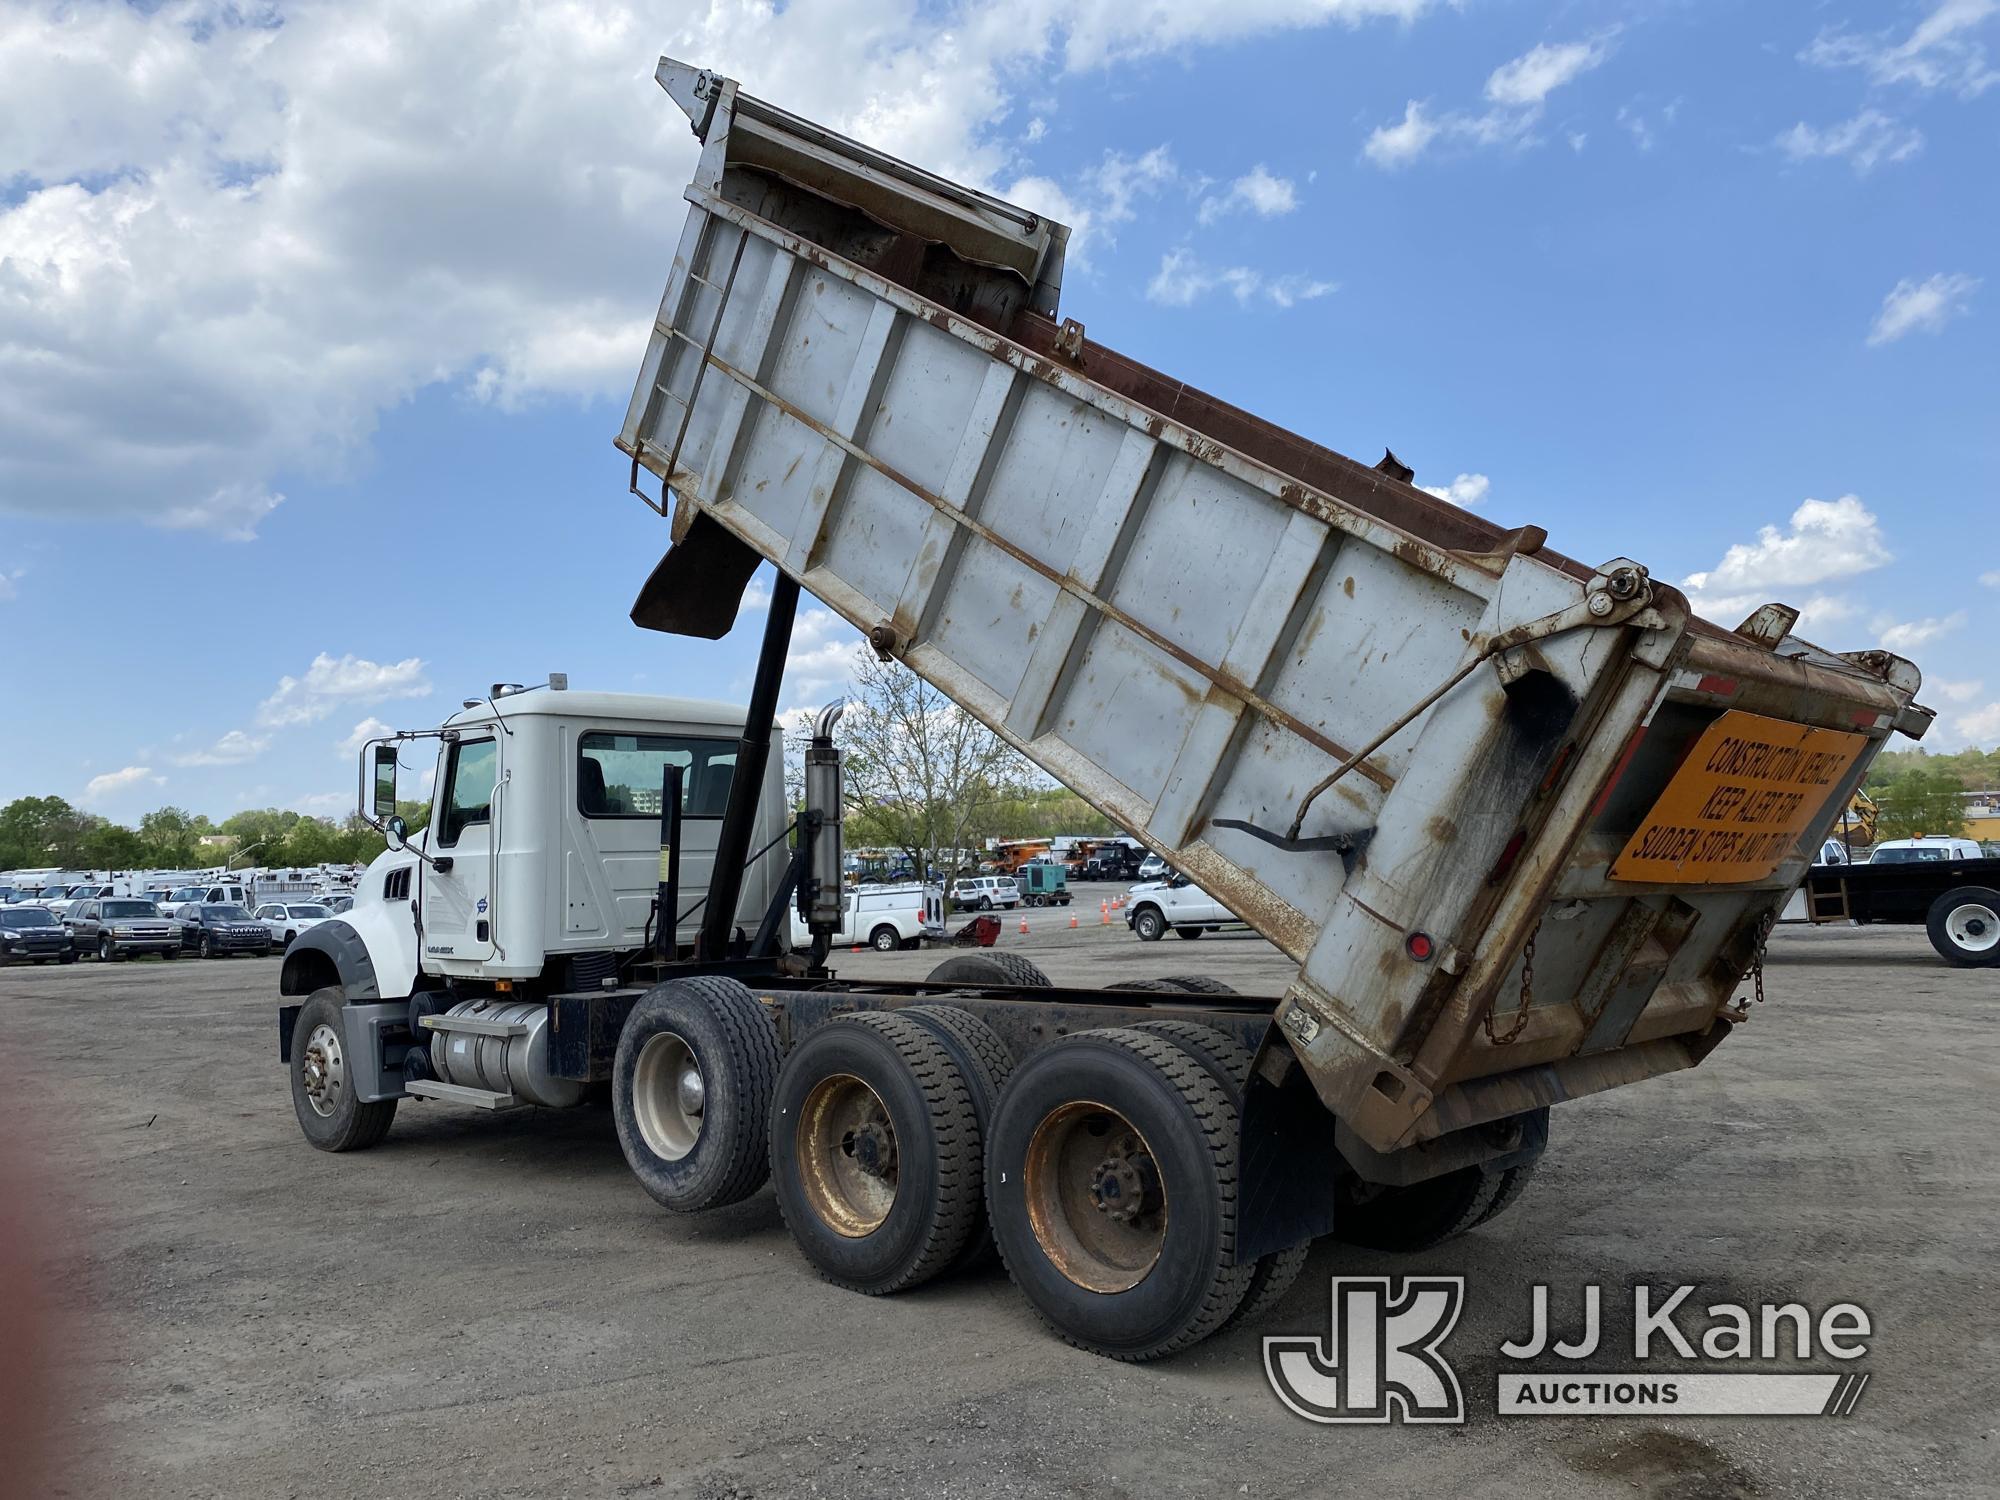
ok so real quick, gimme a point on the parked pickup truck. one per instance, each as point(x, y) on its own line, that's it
point(1176, 903)
point(1946, 886)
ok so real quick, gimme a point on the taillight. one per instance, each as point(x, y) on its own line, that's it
point(1419, 946)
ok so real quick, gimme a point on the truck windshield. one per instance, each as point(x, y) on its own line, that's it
point(129, 909)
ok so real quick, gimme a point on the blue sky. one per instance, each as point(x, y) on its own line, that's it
point(314, 332)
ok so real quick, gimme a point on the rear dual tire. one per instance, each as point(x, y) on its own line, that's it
point(875, 1152)
point(1111, 1188)
point(691, 1092)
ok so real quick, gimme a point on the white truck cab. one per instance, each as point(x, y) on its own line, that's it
point(543, 845)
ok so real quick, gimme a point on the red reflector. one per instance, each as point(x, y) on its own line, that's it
point(1419, 946)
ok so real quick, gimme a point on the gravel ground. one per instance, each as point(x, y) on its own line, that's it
point(491, 1307)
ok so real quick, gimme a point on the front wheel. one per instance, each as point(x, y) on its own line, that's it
point(69, 957)
point(1149, 924)
point(107, 951)
point(1964, 927)
point(323, 1079)
point(206, 948)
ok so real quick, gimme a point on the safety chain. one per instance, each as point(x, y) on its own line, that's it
point(1527, 996)
point(1757, 964)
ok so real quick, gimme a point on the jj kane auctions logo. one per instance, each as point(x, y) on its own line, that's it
point(1382, 1358)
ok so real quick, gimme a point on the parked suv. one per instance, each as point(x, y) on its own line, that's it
point(32, 935)
point(1177, 903)
point(984, 892)
point(220, 930)
point(115, 926)
point(285, 920)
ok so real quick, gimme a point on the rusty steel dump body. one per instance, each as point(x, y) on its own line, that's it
point(1429, 759)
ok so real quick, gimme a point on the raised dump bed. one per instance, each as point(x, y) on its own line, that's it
point(1521, 820)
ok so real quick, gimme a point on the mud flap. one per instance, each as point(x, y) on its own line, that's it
point(1288, 1167)
point(697, 587)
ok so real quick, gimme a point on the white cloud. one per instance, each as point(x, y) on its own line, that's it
point(1827, 540)
point(8, 581)
point(234, 236)
point(1927, 305)
point(1183, 279)
point(99, 787)
point(323, 803)
point(1529, 79)
point(1256, 191)
point(370, 728)
point(232, 749)
point(331, 681)
point(1402, 143)
point(1991, 580)
point(1865, 142)
point(1939, 53)
point(1910, 634)
point(821, 659)
point(1982, 726)
point(1517, 92)
point(1953, 692)
point(1467, 490)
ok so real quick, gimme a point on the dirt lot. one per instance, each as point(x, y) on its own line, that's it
point(490, 1307)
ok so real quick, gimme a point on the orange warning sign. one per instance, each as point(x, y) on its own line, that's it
point(1739, 802)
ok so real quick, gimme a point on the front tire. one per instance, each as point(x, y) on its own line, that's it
point(1149, 924)
point(107, 951)
point(1111, 1187)
point(206, 947)
point(1964, 927)
point(691, 1092)
point(875, 1152)
point(323, 1098)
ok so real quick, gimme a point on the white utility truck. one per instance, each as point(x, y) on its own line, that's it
point(1521, 822)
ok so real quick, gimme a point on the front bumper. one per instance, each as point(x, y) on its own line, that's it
point(35, 950)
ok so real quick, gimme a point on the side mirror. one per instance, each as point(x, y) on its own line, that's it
point(396, 831)
point(385, 781)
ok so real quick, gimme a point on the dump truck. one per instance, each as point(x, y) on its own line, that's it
point(1521, 822)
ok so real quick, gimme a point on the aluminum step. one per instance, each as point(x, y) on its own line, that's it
point(458, 1093)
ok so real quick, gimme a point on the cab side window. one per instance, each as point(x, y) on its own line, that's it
point(470, 776)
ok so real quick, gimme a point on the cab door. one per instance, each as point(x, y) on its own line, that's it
point(457, 902)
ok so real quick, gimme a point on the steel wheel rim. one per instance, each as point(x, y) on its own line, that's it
point(669, 1095)
point(324, 1070)
point(849, 1163)
point(1084, 1164)
point(885, 942)
point(1974, 927)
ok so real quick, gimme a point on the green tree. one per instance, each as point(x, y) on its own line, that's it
point(112, 846)
point(171, 837)
point(38, 831)
point(1920, 799)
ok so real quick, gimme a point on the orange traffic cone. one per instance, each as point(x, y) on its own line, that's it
point(1104, 912)
point(1072, 921)
point(1024, 921)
